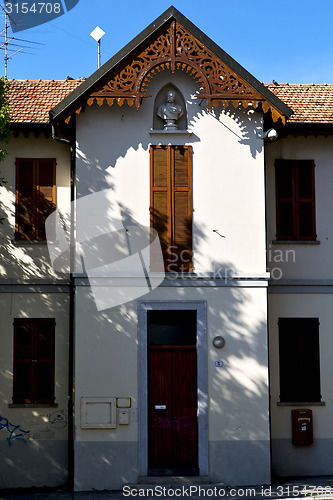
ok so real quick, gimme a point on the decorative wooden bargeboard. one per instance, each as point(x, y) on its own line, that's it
point(174, 48)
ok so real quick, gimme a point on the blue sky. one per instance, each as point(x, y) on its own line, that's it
point(289, 41)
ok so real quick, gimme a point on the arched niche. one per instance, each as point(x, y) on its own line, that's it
point(158, 123)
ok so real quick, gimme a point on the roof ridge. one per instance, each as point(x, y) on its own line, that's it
point(277, 84)
point(42, 80)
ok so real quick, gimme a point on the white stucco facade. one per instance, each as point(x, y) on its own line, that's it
point(301, 289)
point(228, 195)
point(242, 282)
point(34, 439)
point(113, 152)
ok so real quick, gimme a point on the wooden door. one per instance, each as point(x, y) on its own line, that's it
point(172, 387)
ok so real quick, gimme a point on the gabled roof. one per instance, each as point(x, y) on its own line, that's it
point(31, 100)
point(311, 103)
point(171, 42)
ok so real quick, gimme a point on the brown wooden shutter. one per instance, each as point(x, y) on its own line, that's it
point(35, 196)
point(285, 208)
point(182, 207)
point(299, 359)
point(34, 361)
point(295, 200)
point(25, 200)
point(44, 376)
point(160, 197)
point(23, 390)
point(45, 192)
point(305, 189)
point(171, 204)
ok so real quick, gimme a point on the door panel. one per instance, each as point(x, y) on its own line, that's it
point(160, 433)
point(172, 399)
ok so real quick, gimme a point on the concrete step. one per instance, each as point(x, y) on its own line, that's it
point(174, 481)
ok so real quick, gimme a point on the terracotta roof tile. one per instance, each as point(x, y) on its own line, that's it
point(311, 103)
point(31, 100)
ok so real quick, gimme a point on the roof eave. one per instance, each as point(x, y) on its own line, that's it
point(171, 13)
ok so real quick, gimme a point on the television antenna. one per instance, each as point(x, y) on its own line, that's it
point(97, 34)
point(9, 43)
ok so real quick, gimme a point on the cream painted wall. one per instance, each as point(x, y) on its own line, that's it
point(303, 261)
point(34, 305)
point(42, 458)
point(26, 261)
point(228, 172)
point(107, 365)
point(314, 459)
point(298, 306)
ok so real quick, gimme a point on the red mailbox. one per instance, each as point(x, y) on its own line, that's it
point(302, 428)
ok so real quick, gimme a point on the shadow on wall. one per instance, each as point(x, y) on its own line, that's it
point(241, 385)
point(127, 137)
point(21, 260)
point(33, 450)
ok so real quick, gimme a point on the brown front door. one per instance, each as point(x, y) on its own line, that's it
point(172, 393)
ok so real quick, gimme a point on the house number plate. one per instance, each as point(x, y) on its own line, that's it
point(160, 407)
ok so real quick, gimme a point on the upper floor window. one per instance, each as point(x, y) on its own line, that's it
point(33, 361)
point(295, 200)
point(299, 360)
point(171, 204)
point(35, 196)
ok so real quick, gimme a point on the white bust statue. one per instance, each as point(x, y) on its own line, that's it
point(169, 111)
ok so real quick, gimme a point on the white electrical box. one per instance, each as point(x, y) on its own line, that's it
point(98, 413)
point(123, 417)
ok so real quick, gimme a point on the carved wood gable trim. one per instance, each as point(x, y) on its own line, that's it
point(176, 49)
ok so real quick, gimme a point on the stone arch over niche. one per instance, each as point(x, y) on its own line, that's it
point(158, 123)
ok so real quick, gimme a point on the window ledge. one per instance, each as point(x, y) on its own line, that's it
point(296, 242)
point(19, 243)
point(170, 132)
point(304, 403)
point(33, 405)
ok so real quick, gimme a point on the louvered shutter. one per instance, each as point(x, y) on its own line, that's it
point(34, 361)
point(295, 200)
point(35, 196)
point(306, 200)
point(45, 194)
point(285, 209)
point(44, 371)
point(25, 200)
point(299, 359)
point(182, 208)
point(23, 391)
point(171, 204)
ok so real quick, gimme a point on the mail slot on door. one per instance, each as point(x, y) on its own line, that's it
point(302, 428)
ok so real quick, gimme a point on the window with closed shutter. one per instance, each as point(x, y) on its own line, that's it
point(171, 204)
point(295, 200)
point(299, 360)
point(33, 361)
point(35, 196)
